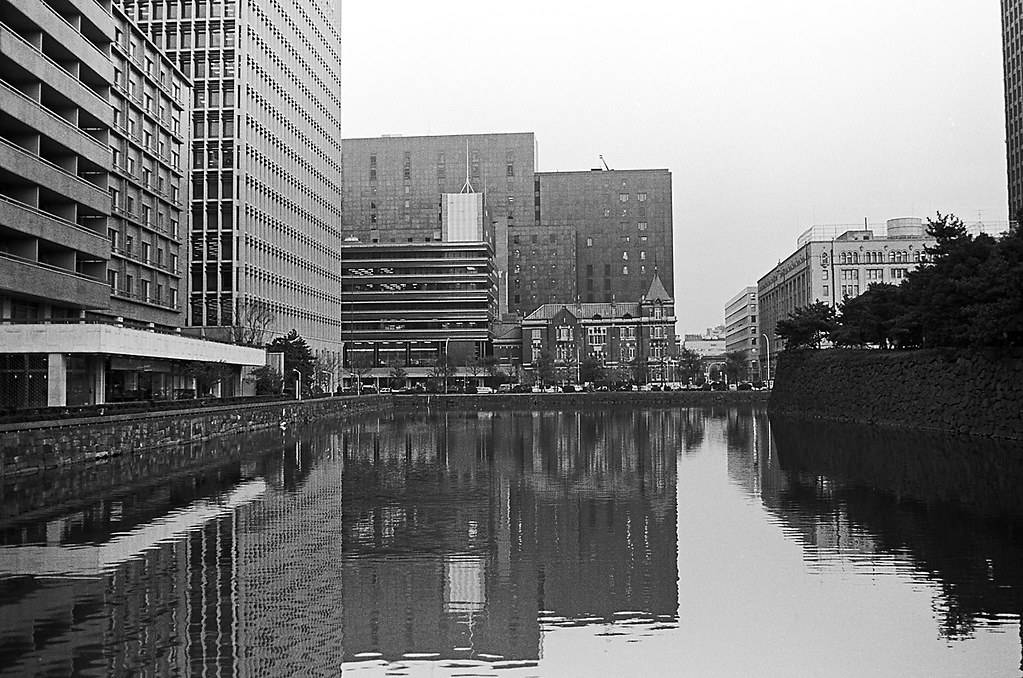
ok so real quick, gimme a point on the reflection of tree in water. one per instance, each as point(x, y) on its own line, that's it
point(694, 429)
point(953, 506)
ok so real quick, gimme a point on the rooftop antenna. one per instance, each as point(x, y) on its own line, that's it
point(467, 187)
point(604, 163)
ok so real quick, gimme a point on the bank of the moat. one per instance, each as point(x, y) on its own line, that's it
point(35, 446)
point(976, 393)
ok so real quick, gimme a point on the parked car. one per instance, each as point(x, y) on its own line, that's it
point(719, 386)
point(484, 389)
point(744, 386)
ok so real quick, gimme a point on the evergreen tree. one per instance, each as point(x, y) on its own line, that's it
point(297, 357)
point(808, 326)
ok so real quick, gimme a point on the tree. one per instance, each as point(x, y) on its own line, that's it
point(970, 293)
point(398, 376)
point(736, 366)
point(872, 318)
point(544, 367)
point(443, 369)
point(360, 364)
point(591, 370)
point(327, 366)
point(808, 326)
point(638, 370)
point(297, 358)
point(207, 376)
point(252, 322)
point(268, 380)
point(690, 365)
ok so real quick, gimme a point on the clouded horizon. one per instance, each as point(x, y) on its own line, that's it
point(772, 117)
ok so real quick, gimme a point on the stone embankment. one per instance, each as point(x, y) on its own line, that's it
point(963, 392)
point(36, 446)
point(31, 447)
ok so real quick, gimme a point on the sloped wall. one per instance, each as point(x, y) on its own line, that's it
point(969, 392)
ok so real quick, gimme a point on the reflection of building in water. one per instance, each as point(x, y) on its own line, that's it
point(287, 578)
point(459, 529)
point(172, 580)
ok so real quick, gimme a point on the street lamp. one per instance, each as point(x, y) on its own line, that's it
point(768, 344)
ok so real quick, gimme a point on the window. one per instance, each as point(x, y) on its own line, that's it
point(564, 333)
point(623, 197)
point(641, 226)
point(641, 197)
point(827, 291)
point(589, 242)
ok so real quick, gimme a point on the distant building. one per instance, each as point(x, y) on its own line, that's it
point(1012, 52)
point(601, 236)
point(559, 237)
point(623, 336)
point(829, 269)
point(741, 328)
point(405, 305)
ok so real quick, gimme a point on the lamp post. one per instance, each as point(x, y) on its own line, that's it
point(298, 385)
point(768, 344)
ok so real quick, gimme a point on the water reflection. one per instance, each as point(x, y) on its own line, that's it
point(668, 542)
point(949, 508)
point(179, 577)
point(465, 533)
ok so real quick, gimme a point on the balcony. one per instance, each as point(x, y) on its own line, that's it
point(18, 161)
point(50, 283)
point(38, 224)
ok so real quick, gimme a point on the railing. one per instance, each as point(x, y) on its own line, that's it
point(114, 322)
point(101, 147)
point(54, 63)
point(47, 215)
point(53, 165)
point(50, 267)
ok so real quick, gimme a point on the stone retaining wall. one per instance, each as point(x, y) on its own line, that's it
point(37, 446)
point(974, 393)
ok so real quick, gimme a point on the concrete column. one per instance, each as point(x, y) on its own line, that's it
point(98, 380)
point(56, 380)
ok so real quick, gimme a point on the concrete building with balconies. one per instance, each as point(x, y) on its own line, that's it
point(91, 193)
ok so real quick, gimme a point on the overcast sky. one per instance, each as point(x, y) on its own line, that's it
point(771, 116)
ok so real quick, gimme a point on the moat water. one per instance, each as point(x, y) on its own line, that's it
point(666, 542)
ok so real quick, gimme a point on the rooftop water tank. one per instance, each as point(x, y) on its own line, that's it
point(906, 227)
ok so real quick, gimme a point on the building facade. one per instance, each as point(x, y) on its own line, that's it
point(1012, 52)
point(602, 236)
point(741, 328)
point(560, 237)
point(394, 187)
point(407, 305)
point(832, 269)
point(632, 341)
point(265, 173)
point(91, 203)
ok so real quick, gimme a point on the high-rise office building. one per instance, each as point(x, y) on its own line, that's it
point(266, 173)
point(92, 192)
point(1012, 52)
point(560, 237)
point(601, 237)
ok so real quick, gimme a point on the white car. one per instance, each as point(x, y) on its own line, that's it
point(484, 389)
